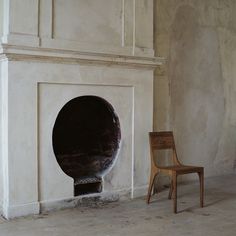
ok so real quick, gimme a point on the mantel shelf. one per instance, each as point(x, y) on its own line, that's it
point(23, 53)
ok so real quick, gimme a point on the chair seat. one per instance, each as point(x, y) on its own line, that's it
point(183, 169)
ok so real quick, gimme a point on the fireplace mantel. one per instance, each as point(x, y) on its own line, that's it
point(62, 50)
point(24, 53)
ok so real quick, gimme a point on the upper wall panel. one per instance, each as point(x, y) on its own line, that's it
point(107, 26)
point(24, 17)
point(144, 24)
point(88, 21)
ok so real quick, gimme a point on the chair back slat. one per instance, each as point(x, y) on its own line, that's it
point(161, 140)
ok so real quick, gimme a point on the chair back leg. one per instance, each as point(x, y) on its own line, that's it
point(175, 191)
point(201, 180)
point(171, 190)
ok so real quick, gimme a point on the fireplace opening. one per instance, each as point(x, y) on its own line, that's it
point(86, 138)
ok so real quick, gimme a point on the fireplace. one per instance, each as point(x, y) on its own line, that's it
point(86, 138)
point(76, 104)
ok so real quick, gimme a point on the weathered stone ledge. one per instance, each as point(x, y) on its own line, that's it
point(23, 53)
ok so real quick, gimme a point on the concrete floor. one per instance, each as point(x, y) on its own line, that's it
point(136, 218)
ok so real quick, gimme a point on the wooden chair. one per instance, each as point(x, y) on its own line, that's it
point(165, 140)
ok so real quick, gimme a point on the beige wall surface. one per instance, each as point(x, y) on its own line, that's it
point(195, 92)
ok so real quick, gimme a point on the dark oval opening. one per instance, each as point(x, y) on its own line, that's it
point(86, 137)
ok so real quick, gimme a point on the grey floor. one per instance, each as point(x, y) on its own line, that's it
point(136, 218)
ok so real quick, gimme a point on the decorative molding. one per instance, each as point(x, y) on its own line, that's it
point(73, 45)
point(21, 53)
point(53, 19)
point(45, 19)
point(128, 23)
point(22, 39)
point(27, 25)
point(63, 36)
point(134, 27)
point(38, 29)
point(123, 24)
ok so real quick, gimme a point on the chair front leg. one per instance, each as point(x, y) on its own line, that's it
point(152, 178)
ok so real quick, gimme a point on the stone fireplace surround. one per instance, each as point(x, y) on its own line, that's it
point(40, 73)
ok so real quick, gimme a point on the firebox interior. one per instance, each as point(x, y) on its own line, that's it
point(86, 138)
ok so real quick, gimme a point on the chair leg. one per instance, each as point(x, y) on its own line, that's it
point(201, 179)
point(171, 190)
point(152, 178)
point(175, 191)
point(154, 188)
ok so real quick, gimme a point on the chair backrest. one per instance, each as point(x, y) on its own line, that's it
point(160, 141)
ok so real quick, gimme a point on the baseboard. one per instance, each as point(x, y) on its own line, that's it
point(140, 191)
point(14, 211)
